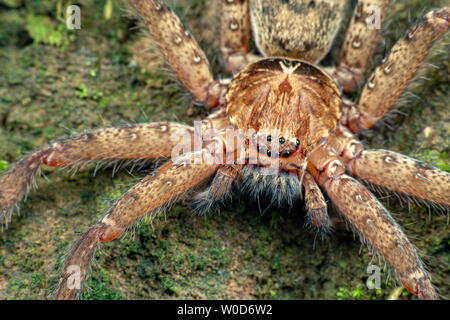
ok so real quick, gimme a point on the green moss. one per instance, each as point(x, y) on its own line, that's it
point(4, 165)
point(100, 289)
point(43, 30)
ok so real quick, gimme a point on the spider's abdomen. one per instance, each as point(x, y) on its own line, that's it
point(300, 29)
point(293, 98)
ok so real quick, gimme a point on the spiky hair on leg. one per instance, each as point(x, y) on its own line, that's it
point(17, 182)
point(377, 226)
point(404, 199)
point(324, 231)
point(217, 192)
point(379, 260)
point(145, 51)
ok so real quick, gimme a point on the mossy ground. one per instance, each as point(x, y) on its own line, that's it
point(55, 82)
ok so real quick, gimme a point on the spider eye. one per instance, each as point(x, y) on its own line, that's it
point(269, 138)
point(297, 143)
point(282, 140)
point(269, 153)
point(286, 153)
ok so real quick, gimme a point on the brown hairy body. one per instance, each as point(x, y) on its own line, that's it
point(293, 126)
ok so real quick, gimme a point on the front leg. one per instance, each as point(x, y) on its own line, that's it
point(391, 170)
point(374, 224)
point(165, 185)
point(316, 205)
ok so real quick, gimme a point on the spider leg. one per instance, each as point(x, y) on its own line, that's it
point(315, 203)
point(77, 263)
point(374, 224)
point(218, 190)
point(389, 79)
point(166, 184)
point(181, 51)
point(359, 43)
point(391, 170)
point(235, 34)
point(403, 174)
point(144, 141)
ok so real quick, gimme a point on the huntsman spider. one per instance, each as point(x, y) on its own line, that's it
point(293, 126)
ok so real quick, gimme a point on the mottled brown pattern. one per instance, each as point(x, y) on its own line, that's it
point(77, 264)
point(296, 97)
point(360, 43)
point(15, 182)
point(147, 141)
point(178, 46)
point(297, 29)
point(168, 182)
point(389, 79)
point(234, 33)
point(298, 119)
point(144, 141)
point(315, 203)
point(375, 225)
point(403, 174)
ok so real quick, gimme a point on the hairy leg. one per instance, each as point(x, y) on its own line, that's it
point(373, 222)
point(360, 42)
point(166, 184)
point(403, 174)
point(315, 204)
point(218, 190)
point(389, 79)
point(77, 263)
point(375, 225)
point(235, 34)
point(391, 170)
point(145, 141)
point(181, 51)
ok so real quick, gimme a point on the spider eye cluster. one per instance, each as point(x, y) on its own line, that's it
point(265, 145)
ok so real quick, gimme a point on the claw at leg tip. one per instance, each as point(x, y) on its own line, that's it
point(110, 233)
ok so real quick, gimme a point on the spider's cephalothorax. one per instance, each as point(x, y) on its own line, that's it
point(292, 114)
point(289, 104)
point(286, 107)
